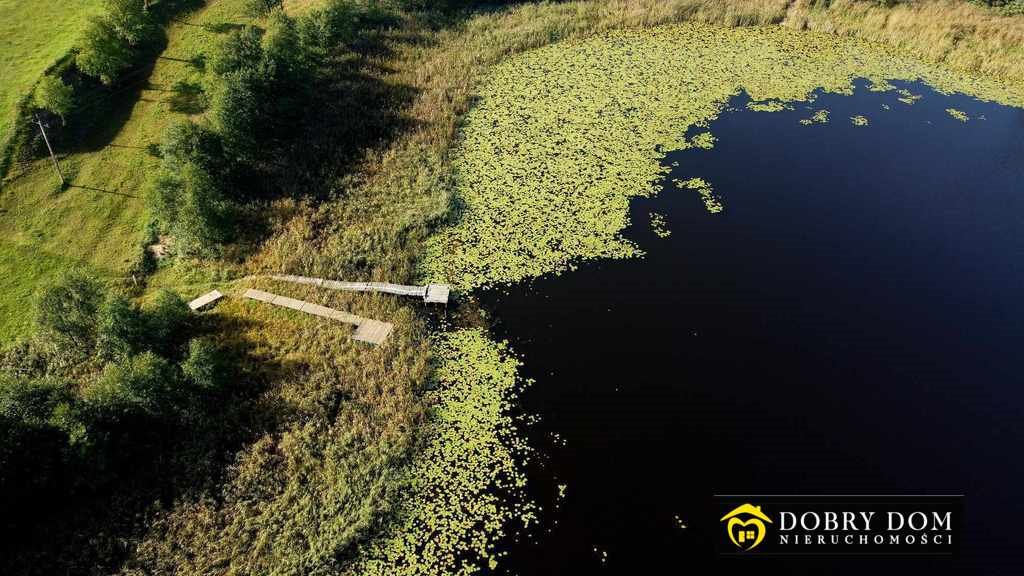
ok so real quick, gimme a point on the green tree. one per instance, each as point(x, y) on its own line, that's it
point(241, 49)
point(36, 403)
point(191, 207)
point(129, 20)
point(121, 330)
point(186, 142)
point(111, 41)
point(141, 385)
point(54, 95)
point(66, 313)
point(168, 322)
point(103, 53)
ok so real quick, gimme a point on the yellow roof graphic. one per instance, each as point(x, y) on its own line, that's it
point(747, 509)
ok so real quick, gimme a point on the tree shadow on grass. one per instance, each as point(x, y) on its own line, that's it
point(188, 98)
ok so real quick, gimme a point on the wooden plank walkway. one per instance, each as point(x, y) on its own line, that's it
point(205, 300)
point(432, 293)
point(367, 330)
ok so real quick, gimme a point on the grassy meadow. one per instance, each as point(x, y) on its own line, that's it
point(99, 221)
point(33, 35)
point(349, 451)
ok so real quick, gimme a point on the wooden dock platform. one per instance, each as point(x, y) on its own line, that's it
point(431, 293)
point(205, 300)
point(367, 330)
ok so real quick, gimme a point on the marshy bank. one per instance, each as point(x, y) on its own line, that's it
point(363, 455)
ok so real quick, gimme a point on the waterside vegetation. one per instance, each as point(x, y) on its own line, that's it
point(330, 457)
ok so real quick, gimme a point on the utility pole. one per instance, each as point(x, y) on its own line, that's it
point(56, 166)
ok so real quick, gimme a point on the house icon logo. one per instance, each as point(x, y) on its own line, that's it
point(745, 526)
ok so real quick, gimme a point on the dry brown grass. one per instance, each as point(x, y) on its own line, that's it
point(962, 36)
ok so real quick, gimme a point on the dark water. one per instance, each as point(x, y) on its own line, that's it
point(851, 323)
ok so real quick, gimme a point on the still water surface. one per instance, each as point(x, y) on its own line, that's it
point(853, 322)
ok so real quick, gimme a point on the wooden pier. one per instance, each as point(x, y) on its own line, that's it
point(367, 330)
point(205, 300)
point(431, 293)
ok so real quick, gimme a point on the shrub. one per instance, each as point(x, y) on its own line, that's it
point(35, 403)
point(121, 330)
point(204, 366)
point(66, 313)
point(168, 323)
point(259, 8)
point(140, 385)
point(54, 95)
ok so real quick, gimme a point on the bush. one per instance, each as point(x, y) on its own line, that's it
point(36, 403)
point(54, 95)
point(141, 385)
point(204, 366)
point(259, 8)
point(66, 314)
point(168, 322)
point(121, 330)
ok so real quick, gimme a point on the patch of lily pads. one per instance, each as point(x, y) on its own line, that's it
point(563, 137)
point(467, 486)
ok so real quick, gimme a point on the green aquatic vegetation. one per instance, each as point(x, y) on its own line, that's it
point(907, 97)
point(704, 141)
point(819, 117)
point(958, 114)
point(659, 226)
point(706, 191)
point(468, 484)
point(563, 137)
point(769, 106)
point(859, 120)
point(881, 86)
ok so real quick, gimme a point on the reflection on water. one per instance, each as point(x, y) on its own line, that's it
point(851, 322)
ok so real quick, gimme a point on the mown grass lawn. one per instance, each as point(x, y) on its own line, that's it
point(33, 35)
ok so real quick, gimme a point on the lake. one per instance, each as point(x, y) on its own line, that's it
point(851, 322)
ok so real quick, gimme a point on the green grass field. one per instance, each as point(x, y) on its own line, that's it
point(33, 35)
point(99, 221)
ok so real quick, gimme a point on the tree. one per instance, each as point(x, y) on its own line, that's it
point(141, 385)
point(54, 95)
point(103, 54)
point(242, 49)
point(186, 142)
point(121, 331)
point(129, 20)
point(190, 206)
point(66, 313)
point(111, 40)
point(264, 97)
point(167, 324)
